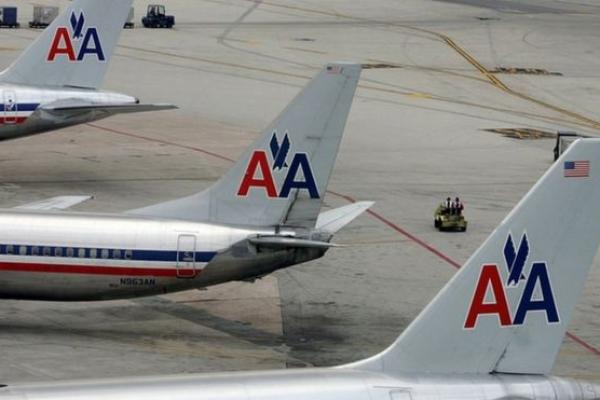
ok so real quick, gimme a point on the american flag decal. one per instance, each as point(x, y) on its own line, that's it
point(577, 169)
point(334, 69)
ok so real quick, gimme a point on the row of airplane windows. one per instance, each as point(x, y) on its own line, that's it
point(47, 251)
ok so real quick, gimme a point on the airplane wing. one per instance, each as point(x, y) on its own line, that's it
point(54, 203)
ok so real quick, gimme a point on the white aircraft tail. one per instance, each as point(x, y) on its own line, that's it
point(282, 178)
point(507, 309)
point(75, 49)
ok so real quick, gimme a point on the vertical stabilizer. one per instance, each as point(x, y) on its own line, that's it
point(507, 309)
point(75, 49)
point(282, 178)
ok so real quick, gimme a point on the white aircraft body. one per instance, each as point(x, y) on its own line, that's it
point(262, 215)
point(55, 82)
point(492, 333)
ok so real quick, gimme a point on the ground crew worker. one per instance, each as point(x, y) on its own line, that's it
point(458, 206)
point(447, 205)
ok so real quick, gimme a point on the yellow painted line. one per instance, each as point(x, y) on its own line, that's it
point(307, 10)
point(377, 61)
point(305, 50)
point(214, 62)
point(493, 79)
point(254, 42)
point(422, 68)
point(421, 95)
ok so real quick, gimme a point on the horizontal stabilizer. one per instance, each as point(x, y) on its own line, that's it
point(333, 220)
point(54, 203)
point(70, 108)
point(280, 242)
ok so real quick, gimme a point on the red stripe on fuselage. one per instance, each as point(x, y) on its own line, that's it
point(93, 270)
point(12, 121)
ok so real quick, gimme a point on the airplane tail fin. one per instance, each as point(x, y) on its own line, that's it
point(507, 309)
point(75, 49)
point(282, 178)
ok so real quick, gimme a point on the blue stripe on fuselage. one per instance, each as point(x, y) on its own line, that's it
point(98, 253)
point(22, 107)
point(153, 255)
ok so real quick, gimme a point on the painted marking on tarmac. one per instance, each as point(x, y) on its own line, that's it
point(350, 199)
point(462, 52)
point(305, 50)
point(183, 146)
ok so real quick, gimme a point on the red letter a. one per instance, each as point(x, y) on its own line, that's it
point(258, 161)
point(61, 37)
point(489, 276)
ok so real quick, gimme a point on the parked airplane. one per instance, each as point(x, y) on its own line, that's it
point(485, 336)
point(261, 216)
point(55, 82)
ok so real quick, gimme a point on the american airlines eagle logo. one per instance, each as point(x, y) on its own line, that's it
point(76, 42)
point(490, 295)
point(262, 168)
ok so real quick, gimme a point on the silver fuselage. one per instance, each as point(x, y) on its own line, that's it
point(313, 384)
point(22, 113)
point(81, 256)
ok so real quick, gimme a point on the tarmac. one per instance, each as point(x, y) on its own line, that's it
point(418, 131)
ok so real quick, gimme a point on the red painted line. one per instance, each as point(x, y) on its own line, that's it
point(415, 239)
point(198, 149)
point(588, 346)
point(403, 232)
point(91, 269)
point(349, 199)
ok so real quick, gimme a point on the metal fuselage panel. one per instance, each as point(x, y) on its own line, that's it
point(78, 257)
point(313, 384)
point(21, 112)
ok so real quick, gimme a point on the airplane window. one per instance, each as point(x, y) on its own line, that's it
point(47, 251)
point(70, 252)
point(93, 253)
point(22, 250)
point(10, 249)
point(128, 254)
point(58, 252)
point(81, 253)
point(104, 253)
point(116, 254)
point(35, 251)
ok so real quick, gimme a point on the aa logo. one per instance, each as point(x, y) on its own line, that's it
point(76, 42)
point(263, 169)
point(491, 293)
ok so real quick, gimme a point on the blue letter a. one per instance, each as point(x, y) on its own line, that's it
point(300, 161)
point(91, 35)
point(539, 273)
